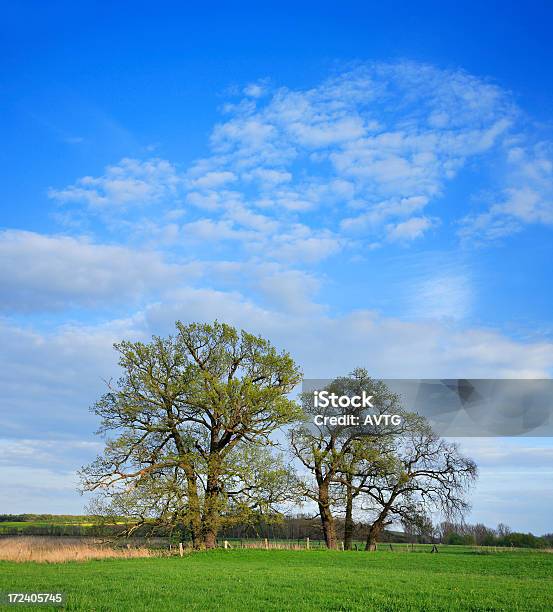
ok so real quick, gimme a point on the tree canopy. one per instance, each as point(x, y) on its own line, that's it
point(190, 443)
point(395, 473)
point(190, 421)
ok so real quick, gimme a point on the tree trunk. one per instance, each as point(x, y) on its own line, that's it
point(210, 538)
point(212, 505)
point(194, 511)
point(374, 531)
point(327, 520)
point(348, 521)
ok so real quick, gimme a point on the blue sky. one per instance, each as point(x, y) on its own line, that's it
point(365, 185)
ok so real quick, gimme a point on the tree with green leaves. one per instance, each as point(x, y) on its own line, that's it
point(193, 414)
point(394, 473)
point(333, 455)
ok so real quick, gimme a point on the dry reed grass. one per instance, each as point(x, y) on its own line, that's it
point(61, 550)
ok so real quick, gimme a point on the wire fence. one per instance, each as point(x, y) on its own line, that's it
point(310, 544)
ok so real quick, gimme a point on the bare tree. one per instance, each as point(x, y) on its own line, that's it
point(425, 473)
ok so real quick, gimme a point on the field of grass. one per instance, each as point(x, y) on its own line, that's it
point(297, 580)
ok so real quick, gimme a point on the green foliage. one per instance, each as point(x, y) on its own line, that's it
point(398, 472)
point(191, 419)
point(457, 539)
point(522, 540)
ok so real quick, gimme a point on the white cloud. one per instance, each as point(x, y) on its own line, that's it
point(268, 177)
point(387, 346)
point(326, 133)
point(301, 244)
point(39, 490)
point(506, 465)
point(214, 231)
point(364, 151)
point(382, 139)
point(255, 221)
point(256, 90)
point(52, 452)
point(511, 454)
point(129, 183)
point(378, 213)
point(266, 239)
point(288, 290)
point(49, 379)
point(40, 272)
point(250, 133)
point(441, 296)
point(413, 228)
point(212, 180)
point(527, 198)
point(213, 200)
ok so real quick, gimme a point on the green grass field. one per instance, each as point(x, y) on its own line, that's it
point(297, 580)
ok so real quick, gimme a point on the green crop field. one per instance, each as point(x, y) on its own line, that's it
point(297, 580)
point(53, 523)
point(25, 526)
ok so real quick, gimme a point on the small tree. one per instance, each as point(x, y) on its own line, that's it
point(334, 454)
point(418, 528)
point(503, 530)
point(185, 413)
point(397, 473)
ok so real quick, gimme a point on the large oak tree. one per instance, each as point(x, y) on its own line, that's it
point(193, 414)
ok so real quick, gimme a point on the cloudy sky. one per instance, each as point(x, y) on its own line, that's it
point(364, 186)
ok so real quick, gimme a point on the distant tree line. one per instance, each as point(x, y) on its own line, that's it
point(27, 518)
point(61, 529)
point(479, 534)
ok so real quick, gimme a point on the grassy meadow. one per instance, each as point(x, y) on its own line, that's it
point(256, 579)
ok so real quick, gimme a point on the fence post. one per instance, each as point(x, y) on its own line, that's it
point(181, 551)
point(307, 543)
point(266, 544)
